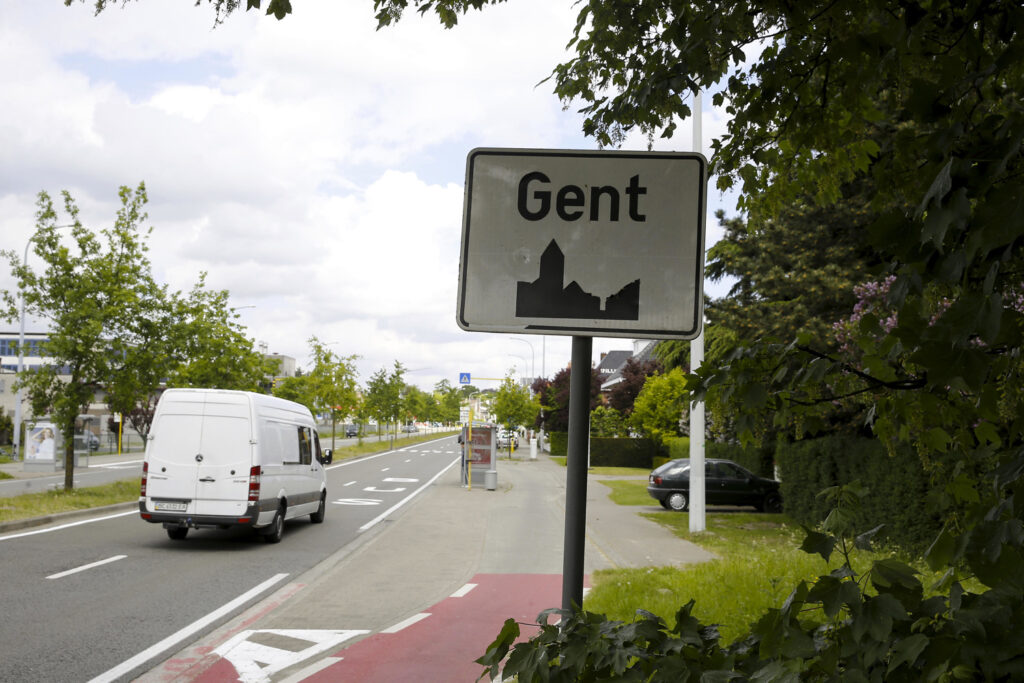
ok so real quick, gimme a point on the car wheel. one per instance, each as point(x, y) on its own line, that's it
point(772, 503)
point(677, 501)
point(177, 533)
point(321, 512)
point(275, 531)
point(664, 504)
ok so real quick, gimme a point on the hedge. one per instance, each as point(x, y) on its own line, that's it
point(897, 486)
point(610, 452)
point(760, 461)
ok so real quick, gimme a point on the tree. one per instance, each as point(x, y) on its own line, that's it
point(384, 395)
point(634, 375)
point(449, 400)
point(607, 422)
point(555, 398)
point(513, 406)
point(331, 383)
point(660, 406)
point(95, 295)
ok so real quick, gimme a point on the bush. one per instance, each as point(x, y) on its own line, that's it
point(760, 461)
point(897, 486)
point(558, 443)
point(605, 452)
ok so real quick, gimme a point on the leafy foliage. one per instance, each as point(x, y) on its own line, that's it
point(659, 408)
point(513, 405)
point(633, 375)
point(554, 398)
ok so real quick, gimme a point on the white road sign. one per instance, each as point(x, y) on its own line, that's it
point(589, 243)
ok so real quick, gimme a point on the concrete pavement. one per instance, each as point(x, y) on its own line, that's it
point(414, 565)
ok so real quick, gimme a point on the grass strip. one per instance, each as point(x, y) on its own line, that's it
point(759, 563)
point(45, 503)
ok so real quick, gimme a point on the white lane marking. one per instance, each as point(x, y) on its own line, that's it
point(84, 567)
point(187, 632)
point(406, 623)
point(350, 483)
point(385, 469)
point(303, 674)
point(354, 461)
point(376, 520)
point(68, 525)
point(408, 459)
point(374, 489)
point(119, 465)
point(255, 663)
point(464, 590)
point(357, 501)
point(400, 480)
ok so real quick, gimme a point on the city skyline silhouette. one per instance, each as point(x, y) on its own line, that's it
point(548, 297)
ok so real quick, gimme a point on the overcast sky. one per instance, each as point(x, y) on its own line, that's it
point(314, 167)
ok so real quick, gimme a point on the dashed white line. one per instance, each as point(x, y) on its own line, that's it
point(464, 590)
point(407, 622)
point(350, 483)
point(84, 567)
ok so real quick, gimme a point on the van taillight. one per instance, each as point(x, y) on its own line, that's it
point(145, 475)
point(254, 484)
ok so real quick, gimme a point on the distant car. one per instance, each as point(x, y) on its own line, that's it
point(503, 439)
point(351, 430)
point(725, 483)
point(92, 441)
point(410, 428)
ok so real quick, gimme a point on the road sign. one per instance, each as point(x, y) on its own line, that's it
point(464, 378)
point(589, 243)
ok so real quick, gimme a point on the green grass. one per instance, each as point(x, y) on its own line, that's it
point(759, 564)
point(44, 503)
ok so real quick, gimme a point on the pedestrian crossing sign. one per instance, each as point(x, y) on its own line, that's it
point(463, 378)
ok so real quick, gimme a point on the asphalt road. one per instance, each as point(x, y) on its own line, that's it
point(105, 599)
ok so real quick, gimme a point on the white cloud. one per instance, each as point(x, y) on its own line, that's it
point(314, 167)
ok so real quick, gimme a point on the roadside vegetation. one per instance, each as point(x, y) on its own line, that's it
point(759, 560)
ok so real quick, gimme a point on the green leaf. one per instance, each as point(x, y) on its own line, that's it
point(907, 651)
point(817, 542)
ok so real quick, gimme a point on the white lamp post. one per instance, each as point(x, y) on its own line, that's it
point(533, 358)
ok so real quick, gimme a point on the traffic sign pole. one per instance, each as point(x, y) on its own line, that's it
point(576, 474)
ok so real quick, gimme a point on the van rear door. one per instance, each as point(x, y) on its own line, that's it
point(224, 458)
point(172, 454)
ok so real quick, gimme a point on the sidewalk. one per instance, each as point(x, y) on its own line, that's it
point(425, 553)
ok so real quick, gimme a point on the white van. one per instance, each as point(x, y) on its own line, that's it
point(217, 458)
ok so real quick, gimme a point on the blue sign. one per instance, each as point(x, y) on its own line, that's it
point(463, 378)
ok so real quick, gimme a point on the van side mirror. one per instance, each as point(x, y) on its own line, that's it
point(326, 457)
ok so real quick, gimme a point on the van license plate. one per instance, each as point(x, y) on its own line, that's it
point(170, 506)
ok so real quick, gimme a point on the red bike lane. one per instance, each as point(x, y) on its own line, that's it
point(438, 644)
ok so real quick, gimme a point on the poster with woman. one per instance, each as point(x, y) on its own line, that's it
point(42, 442)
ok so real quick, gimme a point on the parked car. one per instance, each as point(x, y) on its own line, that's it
point(351, 430)
point(92, 441)
point(410, 428)
point(725, 483)
point(503, 439)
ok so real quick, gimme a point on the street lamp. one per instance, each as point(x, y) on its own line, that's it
point(533, 358)
point(21, 344)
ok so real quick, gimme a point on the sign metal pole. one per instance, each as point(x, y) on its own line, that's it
point(576, 473)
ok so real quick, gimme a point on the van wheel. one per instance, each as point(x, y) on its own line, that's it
point(177, 533)
point(321, 512)
point(275, 531)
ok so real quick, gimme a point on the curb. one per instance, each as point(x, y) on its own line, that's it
point(30, 522)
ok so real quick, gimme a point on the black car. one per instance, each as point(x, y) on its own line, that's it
point(725, 483)
point(351, 430)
